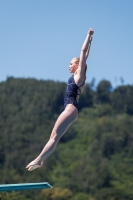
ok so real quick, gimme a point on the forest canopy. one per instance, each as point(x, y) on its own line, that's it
point(93, 160)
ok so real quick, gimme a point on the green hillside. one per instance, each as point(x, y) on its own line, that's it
point(93, 160)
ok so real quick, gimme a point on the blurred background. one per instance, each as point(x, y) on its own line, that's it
point(94, 159)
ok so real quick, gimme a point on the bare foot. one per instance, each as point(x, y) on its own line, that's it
point(34, 165)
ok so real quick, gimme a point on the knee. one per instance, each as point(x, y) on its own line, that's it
point(54, 136)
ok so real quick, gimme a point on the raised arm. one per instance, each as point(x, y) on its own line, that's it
point(88, 50)
point(85, 52)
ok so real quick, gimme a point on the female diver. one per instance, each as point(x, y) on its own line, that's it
point(70, 114)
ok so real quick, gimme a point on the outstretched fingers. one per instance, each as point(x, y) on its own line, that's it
point(91, 31)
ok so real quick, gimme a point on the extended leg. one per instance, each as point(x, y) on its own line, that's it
point(66, 118)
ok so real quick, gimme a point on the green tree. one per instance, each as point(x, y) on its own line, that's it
point(122, 99)
point(104, 89)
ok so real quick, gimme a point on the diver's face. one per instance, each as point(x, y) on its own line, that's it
point(73, 66)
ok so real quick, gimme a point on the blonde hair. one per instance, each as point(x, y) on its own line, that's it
point(76, 60)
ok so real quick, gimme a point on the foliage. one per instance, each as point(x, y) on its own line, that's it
point(103, 92)
point(122, 99)
point(93, 160)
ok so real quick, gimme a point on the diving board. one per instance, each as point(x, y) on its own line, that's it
point(24, 186)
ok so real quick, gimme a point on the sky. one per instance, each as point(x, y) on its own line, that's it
point(38, 38)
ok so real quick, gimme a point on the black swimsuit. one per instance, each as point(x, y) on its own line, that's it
point(71, 93)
